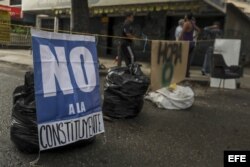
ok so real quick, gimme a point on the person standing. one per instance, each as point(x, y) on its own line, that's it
point(187, 35)
point(212, 32)
point(178, 29)
point(126, 52)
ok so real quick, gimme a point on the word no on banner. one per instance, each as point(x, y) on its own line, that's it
point(66, 88)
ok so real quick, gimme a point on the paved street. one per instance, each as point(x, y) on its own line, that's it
point(195, 137)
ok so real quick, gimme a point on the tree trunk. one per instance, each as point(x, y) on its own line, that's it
point(80, 23)
point(80, 16)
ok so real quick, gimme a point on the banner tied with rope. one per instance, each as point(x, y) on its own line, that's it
point(66, 88)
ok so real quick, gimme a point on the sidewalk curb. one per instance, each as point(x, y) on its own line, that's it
point(104, 72)
point(25, 66)
point(200, 82)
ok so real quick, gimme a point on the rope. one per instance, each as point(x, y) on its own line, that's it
point(115, 48)
point(95, 35)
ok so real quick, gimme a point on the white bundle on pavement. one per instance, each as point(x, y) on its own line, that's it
point(179, 98)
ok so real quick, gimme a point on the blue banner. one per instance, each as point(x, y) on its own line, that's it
point(66, 88)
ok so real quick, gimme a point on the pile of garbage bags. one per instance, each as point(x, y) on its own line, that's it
point(174, 99)
point(124, 91)
point(23, 129)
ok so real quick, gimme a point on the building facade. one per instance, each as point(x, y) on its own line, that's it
point(243, 5)
point(156, 19)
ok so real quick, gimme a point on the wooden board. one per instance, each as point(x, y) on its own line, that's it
point(168, 62)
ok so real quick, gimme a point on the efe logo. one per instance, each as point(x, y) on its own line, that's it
point(236, 159)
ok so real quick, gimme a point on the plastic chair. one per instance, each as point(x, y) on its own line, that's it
point(219, 69)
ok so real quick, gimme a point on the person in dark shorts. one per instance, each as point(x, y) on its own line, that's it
point(126, 52)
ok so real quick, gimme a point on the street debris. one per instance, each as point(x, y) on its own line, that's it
point(23, 128)
point(173, 98)
point(124, 91)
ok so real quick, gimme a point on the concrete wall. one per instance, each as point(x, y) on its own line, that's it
point(237, 26)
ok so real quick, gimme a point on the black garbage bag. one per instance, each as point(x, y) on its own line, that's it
point(129, 80)
point(118, 106)
point(18, 93)
point(23, 129)
point(29, 82)
point(124, 91)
